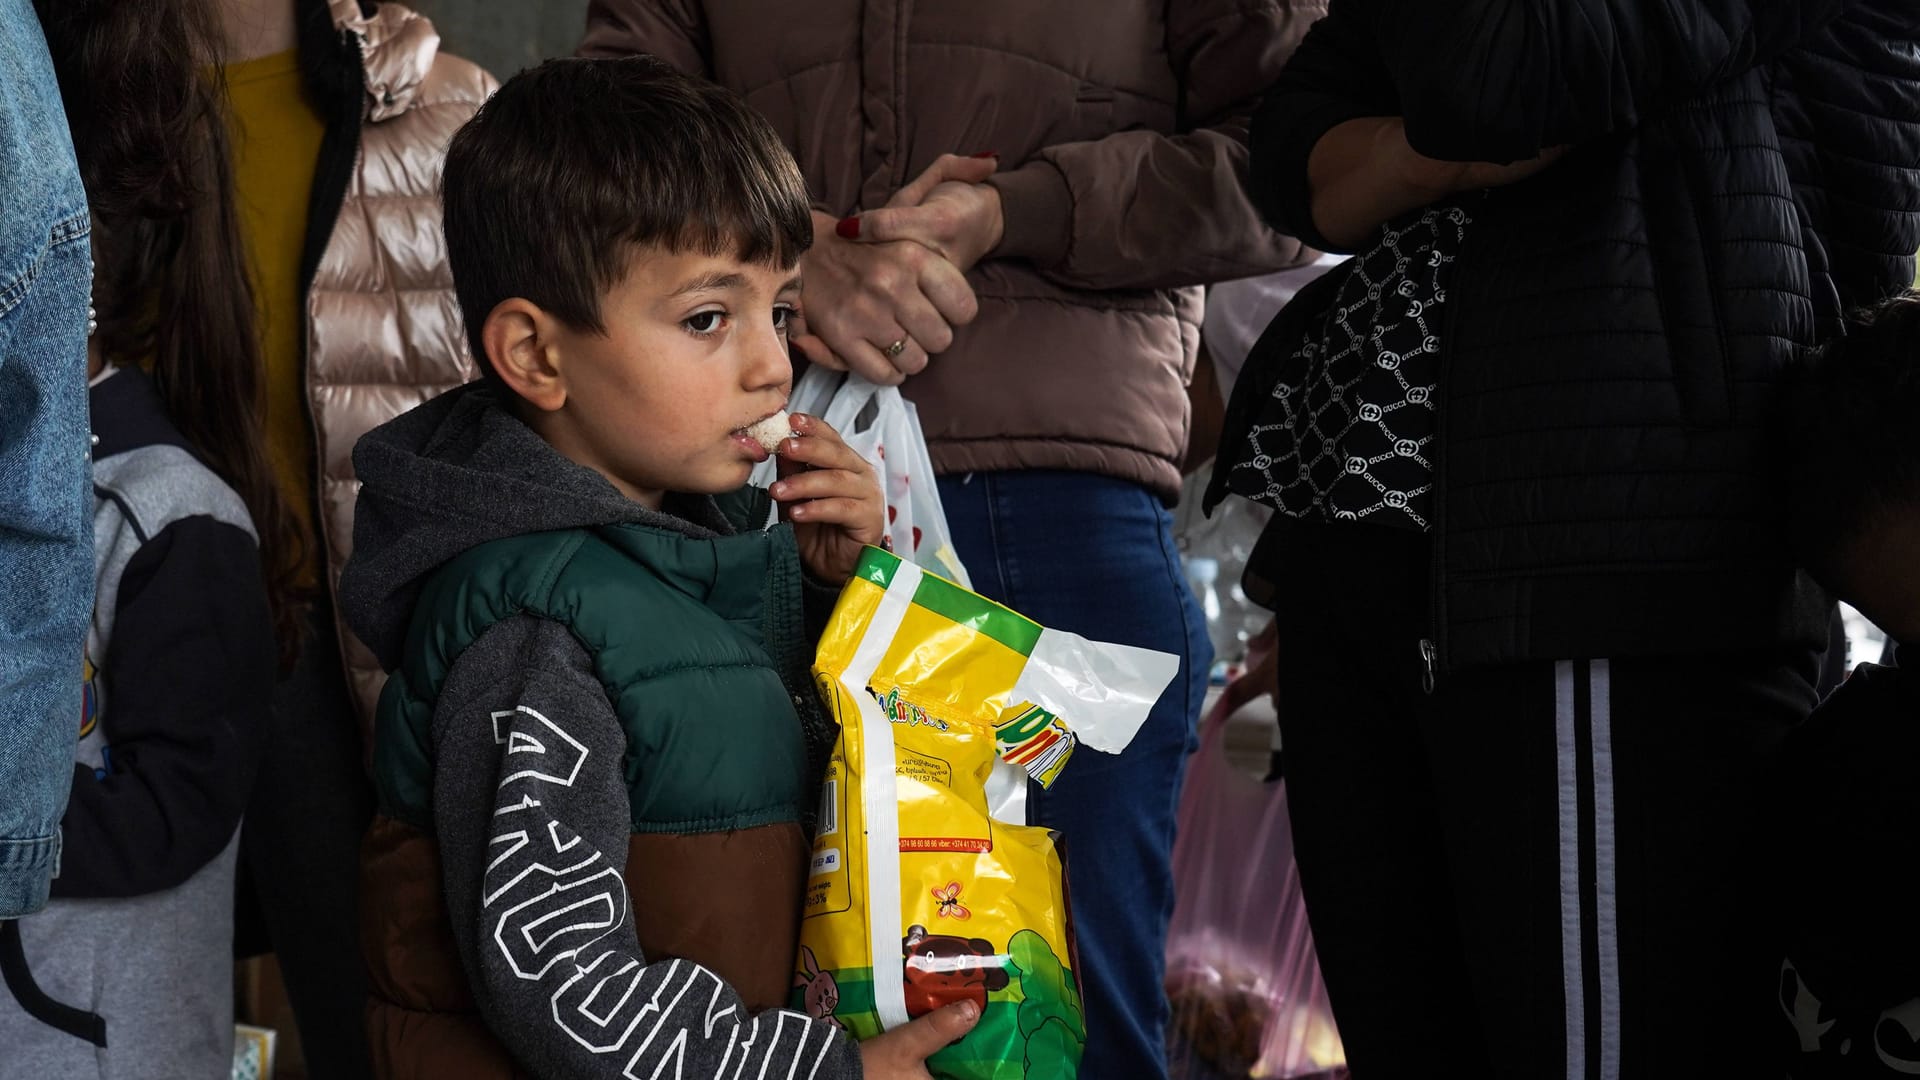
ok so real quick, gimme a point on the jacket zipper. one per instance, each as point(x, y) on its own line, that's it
point(902, 14)
point(330, 187)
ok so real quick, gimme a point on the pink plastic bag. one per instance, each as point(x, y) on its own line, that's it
point(1241, 971)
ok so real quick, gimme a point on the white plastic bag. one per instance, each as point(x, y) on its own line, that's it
point(882, 426)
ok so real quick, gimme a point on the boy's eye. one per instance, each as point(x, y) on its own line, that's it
point(782, 318)
point(704, 322)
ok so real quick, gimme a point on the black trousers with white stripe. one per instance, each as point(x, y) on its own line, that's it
point(1534, 871)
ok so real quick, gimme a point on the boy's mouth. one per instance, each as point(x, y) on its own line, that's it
point(754, 450)
point(751, 446)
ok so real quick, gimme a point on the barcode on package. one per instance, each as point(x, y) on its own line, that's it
point(829, 809)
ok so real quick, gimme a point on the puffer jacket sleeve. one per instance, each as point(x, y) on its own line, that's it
point(1140, 209)
point(1501, 80)
point(673, 30)
point(1854, 123)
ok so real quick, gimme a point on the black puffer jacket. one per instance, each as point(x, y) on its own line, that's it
point(1744, 172)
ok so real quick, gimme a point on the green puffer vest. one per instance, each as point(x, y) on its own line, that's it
point(702, 647)
point(700, 644)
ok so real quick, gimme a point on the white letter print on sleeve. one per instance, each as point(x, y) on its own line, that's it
point(550, 894)
point(555, 905)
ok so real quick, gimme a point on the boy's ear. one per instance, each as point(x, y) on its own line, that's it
point(519, 339)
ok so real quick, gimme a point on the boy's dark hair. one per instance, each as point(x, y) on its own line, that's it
point(1845, 449)
point(571, 164)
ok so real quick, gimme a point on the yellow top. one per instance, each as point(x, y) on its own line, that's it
point(276, 146)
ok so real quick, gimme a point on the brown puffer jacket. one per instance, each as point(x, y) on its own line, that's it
point(383, 330)
point(1121, 130)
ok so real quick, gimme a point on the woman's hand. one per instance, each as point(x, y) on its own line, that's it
point(831, 495)
point(901, 1054)
point(863, 296)
point(1439, 179)
point(1363, 173)
point(944, 210)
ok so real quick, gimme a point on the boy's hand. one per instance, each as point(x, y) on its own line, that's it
point(901, 1054)
point(831, 495)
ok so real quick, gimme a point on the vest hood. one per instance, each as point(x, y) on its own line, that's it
point(456, 473)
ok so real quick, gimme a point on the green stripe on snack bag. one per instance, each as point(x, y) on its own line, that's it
point(976, 612)
point(877, 566)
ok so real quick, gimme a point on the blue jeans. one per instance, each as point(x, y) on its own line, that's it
point(1096, 556)
point(46, 491)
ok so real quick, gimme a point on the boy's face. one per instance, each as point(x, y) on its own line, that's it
point(695, 352)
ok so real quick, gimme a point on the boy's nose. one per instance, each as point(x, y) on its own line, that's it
point(768, 364)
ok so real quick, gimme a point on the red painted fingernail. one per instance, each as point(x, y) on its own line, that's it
point(986, 154)
point(848, 229)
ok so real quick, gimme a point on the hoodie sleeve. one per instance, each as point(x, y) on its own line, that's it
point(530, 810)
point(189, 681)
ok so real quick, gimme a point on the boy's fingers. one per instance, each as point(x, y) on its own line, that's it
point(938, 1029)
point(858, 517)
point(825, 484)
point(821, 447)
point(808, 424)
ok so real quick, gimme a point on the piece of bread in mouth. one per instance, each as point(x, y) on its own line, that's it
point(771, 432)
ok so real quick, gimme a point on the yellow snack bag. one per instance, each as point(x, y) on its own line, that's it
point(928, 887)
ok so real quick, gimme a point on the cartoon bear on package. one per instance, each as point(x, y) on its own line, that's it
point(942, 969)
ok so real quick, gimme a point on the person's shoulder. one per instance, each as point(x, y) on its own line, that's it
point(144, 467)
point(455, 80)
point(156, 486)
point(409, 73)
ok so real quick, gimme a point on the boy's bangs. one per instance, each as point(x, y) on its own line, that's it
point(766, 230)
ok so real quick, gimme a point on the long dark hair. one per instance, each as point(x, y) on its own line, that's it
point(144, 99)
